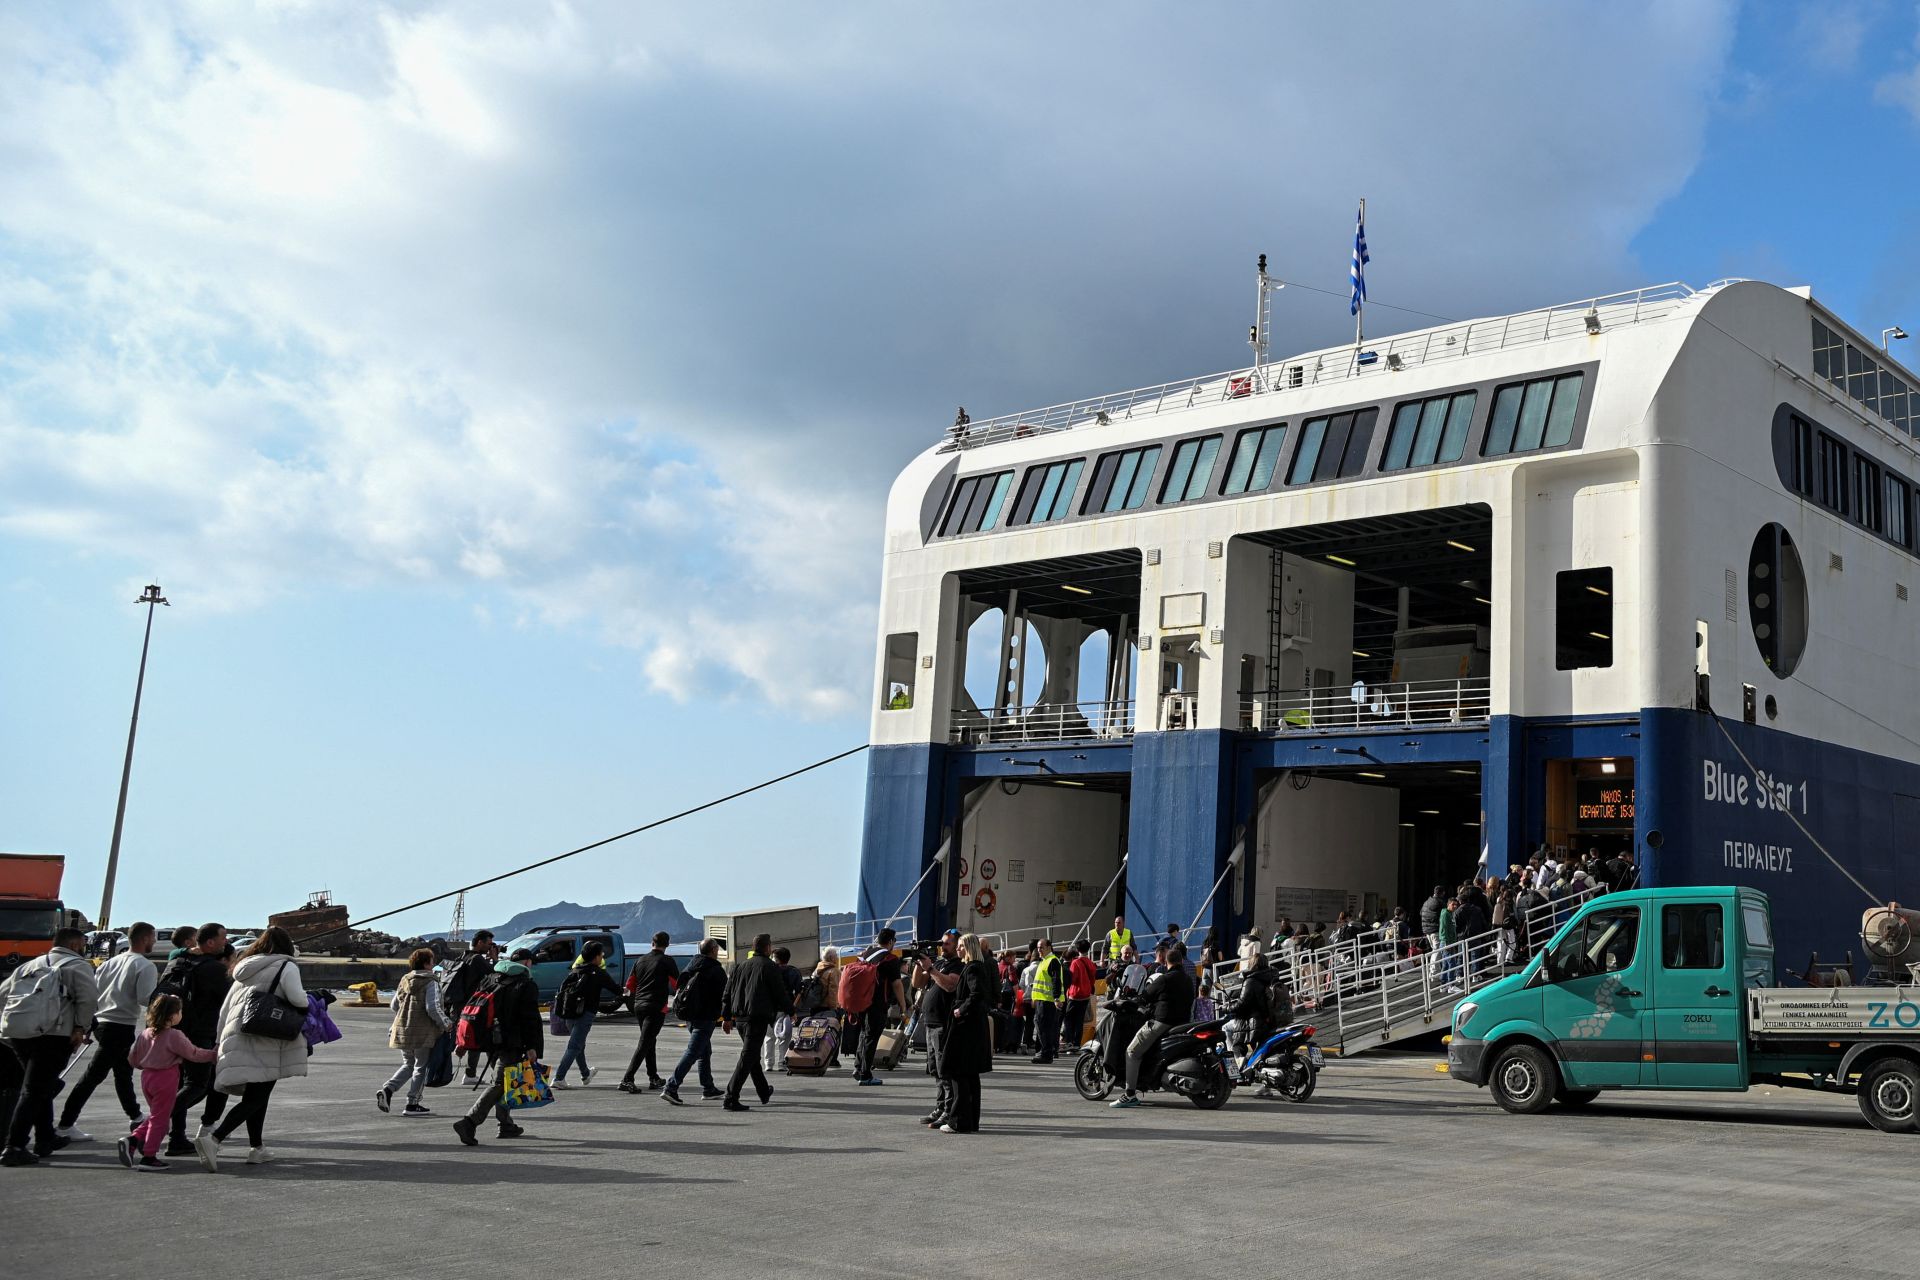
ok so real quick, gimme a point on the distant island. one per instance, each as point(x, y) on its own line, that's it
point(636, 920)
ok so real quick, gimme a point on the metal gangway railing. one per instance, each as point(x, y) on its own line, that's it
point(1043, 722)
point(854, 935)
point(1338, 364)
point(1466, 700)
point(1366, 992)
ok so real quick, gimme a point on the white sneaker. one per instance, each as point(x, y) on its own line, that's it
point(259, 1155)
point(209, 1148)
point(72, 1134)
point(586, 1076)
point(561, 1084)
point(201, 1132)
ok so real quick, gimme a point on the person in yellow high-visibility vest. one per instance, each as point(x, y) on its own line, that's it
point(1119, 938)
point(1049, 1001)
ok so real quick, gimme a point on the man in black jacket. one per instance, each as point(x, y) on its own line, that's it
point(651, 986)
point(1430, 913)
point(474, 968)
point(756, 995)
point(201, 980)
point(516, 1038)
point(702, 993)
point(1169, 1000)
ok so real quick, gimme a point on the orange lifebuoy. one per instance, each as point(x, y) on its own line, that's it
point(984, 902)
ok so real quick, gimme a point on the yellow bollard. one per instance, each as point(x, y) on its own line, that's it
point(369, 993)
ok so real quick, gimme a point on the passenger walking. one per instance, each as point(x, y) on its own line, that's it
point(126, 985)
point(1049, 995)
point(201, 979)
point(474, 968)
point(580, 993)
point(773, 1053)
point(46, 1007)
point(1471, 922)
point(825, 983)
point(250, 1065)
point(419, 1020)
point(1447, 937)
point(1169, 998)
point(936, 1015)
point(1081, 976)
point(513, 1034)
point(967, 1048)
point(158, 1050)
point(886, 990)
point(756, 994)
point(702, 994)
point(649, 987)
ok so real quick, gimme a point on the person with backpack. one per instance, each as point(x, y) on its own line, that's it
point(698, 1004)
point(419, 1020)
point(46, 1006)
point(251, 1062)
point(755, 996)
point(1049, 995)
point(1261, 1006)
point(126, 985)
point(649, 987)
point(577, 1003)
point(201, 980)
point(868, 987)
point(474, 968)
point(502, 1020)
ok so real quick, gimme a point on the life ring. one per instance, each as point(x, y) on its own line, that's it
point(984, 902)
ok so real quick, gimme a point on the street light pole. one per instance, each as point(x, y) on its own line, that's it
point(150, 597)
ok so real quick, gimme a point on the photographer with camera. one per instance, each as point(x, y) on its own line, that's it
point(938, 974)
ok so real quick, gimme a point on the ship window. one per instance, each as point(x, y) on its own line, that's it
point(1899, 525)
point(1120, 480)
point(1190, 469)
point(1047, 492)
point(1333, 447)
point(976, 503)
point(896, 683)
point(1428, 431)
point(1533, 415)
point(1857, 373)
point(1829, 353)
point(1804, 471)
point(1866, 483)
point(1777, 600)
point(1583, 619)
point(1832, 491)
point(1255, 454)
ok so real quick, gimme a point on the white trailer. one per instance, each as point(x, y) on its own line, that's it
point(796, 928)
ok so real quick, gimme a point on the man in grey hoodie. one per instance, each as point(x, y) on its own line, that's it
point(126, 987)
point(43, 1054)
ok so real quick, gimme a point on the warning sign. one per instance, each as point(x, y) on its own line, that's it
point(987, 869)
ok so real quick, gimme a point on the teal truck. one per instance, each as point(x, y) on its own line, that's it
point(554, 947)
point(1673, 989)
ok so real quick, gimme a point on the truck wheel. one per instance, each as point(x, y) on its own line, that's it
point(1523, 1080)
point(1890, 1095)
point(1575, 1097)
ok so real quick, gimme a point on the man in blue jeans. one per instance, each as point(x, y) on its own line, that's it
point(703, 989)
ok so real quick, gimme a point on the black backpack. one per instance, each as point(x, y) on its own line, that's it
point(570, 1001)
point(177, 981)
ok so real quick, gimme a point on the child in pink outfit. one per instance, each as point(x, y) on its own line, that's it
point(158, 1051)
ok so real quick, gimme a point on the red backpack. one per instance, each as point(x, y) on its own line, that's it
point(475, 1032)
point(857, 983)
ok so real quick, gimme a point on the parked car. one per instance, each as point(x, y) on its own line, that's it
point(555, 947)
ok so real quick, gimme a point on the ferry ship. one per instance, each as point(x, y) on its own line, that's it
point(1632, 573)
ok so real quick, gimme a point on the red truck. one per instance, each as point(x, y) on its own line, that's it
point(30, 906)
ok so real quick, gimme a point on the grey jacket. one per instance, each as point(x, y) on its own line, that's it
point(79, 993)
point(126, 988)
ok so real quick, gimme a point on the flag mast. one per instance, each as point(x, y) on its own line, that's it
point(1357, 273)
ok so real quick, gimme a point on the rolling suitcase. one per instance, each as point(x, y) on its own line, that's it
point(815, 1040)
point(891, 1049)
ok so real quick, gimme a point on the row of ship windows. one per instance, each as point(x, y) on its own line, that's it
point(1526, 416)
point(1858, 374)
point(1852, 485)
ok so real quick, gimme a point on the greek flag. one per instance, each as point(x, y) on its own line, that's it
point(1358, 273)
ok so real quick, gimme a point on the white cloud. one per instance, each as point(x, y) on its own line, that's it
point(625, 315)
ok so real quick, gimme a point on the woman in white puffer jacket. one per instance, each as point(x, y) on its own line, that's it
point(251, 1065)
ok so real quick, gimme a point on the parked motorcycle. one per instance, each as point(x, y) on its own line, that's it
point(1288, 1063)
point(1191, 1060)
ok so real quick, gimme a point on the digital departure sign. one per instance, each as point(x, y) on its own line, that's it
point(1603, 802)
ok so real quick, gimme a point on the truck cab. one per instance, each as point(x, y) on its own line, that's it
point(556, 946)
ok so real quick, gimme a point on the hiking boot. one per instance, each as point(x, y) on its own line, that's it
point(383, 1099)
point(414, 1111)
point(464, 1127)
point(17, 1157)
point(670, 1094)
point(511, 1130)
point(150, 1164)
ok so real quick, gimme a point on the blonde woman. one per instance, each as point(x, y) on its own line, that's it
point(968, 1051)
point(826, 978)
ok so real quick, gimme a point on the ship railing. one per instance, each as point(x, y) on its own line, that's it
point(1387, 355)
point(1467, 700)
point(1043, 722)
point(852, 935)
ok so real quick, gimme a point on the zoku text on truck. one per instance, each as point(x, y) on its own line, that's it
point(1668, 989)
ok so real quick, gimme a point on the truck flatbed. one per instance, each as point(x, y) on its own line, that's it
point(1832, 1013)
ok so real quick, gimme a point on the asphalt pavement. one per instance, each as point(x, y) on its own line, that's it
point(1391, 1169)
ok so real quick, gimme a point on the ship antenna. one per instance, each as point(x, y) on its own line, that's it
point(1262, 328)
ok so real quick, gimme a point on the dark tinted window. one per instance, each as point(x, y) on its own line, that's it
point(1533, 415)
point(1047, 492)
point(1332, 447)
point(1190, 470)
point(976, 503)
point(1692, 936)
point(1121, 480)
point(1255, 454)
point(1899, 526)
point(1428, 431)
point(1804, 470)
point(1583, 619)
point(1866, 483)
point(1831, 491)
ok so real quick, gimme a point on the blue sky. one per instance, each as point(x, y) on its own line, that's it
point(506, 396)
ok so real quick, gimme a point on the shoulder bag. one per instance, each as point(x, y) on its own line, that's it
point(264, 1013)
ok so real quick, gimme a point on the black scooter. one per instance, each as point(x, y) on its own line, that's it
point(1190, 1060)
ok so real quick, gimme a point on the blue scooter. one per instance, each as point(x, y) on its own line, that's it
point(1288, 1063)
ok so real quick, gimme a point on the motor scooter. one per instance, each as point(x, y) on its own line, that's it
point(1191, 1060)
point(1288, 1062)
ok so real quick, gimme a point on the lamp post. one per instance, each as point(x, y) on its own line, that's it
point(150, 597)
